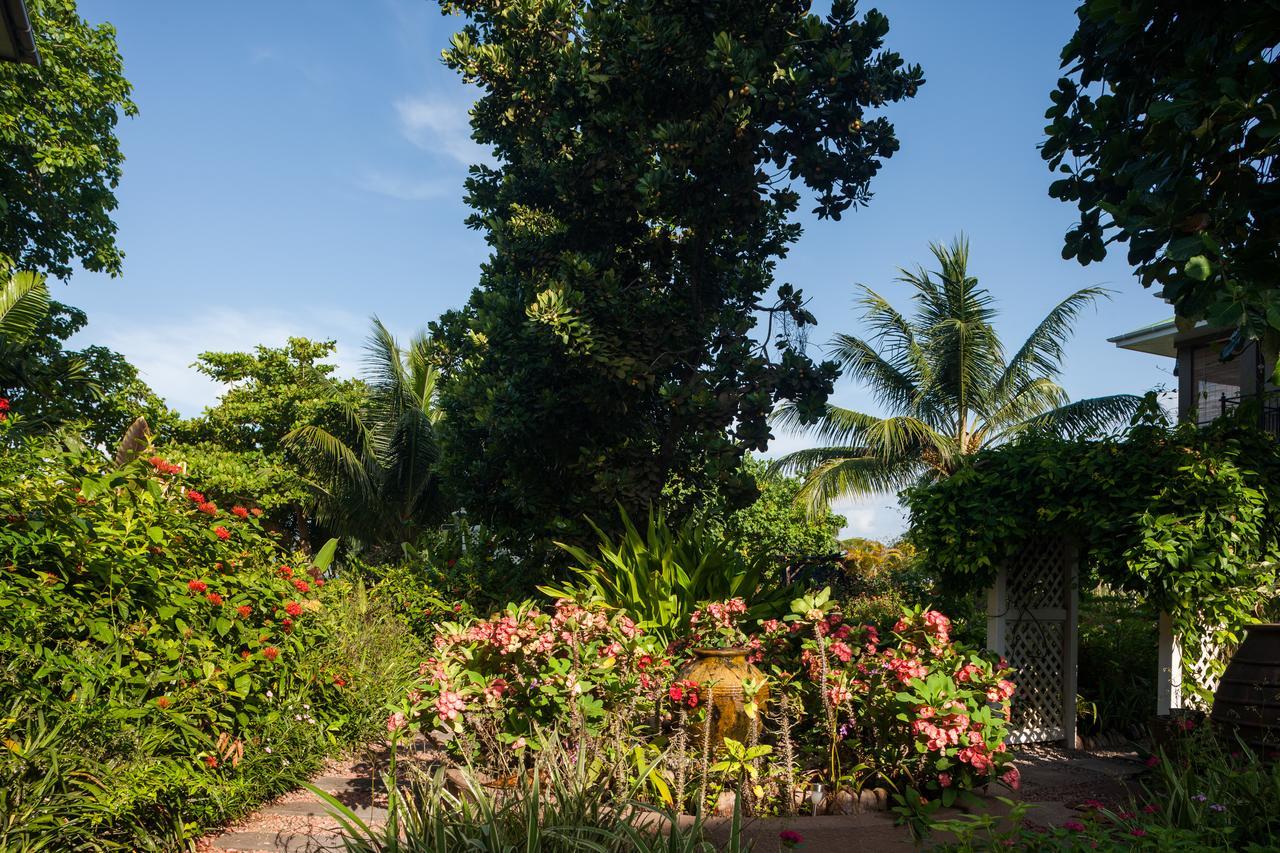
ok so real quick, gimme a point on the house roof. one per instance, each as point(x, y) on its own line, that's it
point(1156, 339)
point(17, 41)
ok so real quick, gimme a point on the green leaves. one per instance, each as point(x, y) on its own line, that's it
point(1175, 159)
point(1184, 516)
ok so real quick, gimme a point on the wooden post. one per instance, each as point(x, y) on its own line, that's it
point(998, 613)
point(1071, 645)
point(1169, 678)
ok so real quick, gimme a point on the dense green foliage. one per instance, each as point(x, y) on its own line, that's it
point(183, 669)
point(1167, 133)
point(94, 390)
point(60, 160)
point(1188, 518)
point(948, 384)
point(650, 157)
point(240, 442)
point(777, 527)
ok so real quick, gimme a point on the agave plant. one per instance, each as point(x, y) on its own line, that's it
point(950, 390)
point(661, 575)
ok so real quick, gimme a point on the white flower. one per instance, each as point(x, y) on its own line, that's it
point(297, 717)
point(268, 750)
point(270, 695)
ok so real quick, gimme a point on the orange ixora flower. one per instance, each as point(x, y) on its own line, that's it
point(271, 653)
point(222, 532)
point(163, 702)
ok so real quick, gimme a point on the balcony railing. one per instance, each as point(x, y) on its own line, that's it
point(1268, 404)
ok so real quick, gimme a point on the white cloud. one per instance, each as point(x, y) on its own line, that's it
point(440, 126)
point(405, 188)
point(164, 353)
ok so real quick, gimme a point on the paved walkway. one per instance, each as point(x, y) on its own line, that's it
point(1055, 781)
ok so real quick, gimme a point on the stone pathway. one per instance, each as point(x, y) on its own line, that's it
point(1055, 781)
point(301, 822)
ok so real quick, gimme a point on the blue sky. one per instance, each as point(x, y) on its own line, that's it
point(297, 167)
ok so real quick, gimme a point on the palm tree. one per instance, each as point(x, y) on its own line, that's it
point(377, 482)
point(951, 391)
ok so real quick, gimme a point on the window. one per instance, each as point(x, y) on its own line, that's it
point(1216, 383)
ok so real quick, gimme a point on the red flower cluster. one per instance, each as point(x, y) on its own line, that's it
point(162, 702)
point(208, 508)
point(197, 586)
point(214, 599)
point(302, 586)
point(286, 572)
point(194, 496)
point(244, 610)
point(684, 691)
point(257, 513)
point(222, 532)
point(239, 512)
point(164, 466)
point(293, 608)
point(211, 760)
point(271, 653)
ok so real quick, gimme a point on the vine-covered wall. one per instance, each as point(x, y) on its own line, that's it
point(1187, 517)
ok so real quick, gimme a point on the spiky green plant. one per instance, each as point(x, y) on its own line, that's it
point(947, 383)
point(659, 576)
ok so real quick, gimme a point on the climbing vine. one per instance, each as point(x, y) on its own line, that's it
point(1187, 517)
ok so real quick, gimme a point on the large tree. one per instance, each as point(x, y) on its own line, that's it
point(60, 160)
point(950, 389)
point(1166, 129)
point(650, 156)
point(237, 447)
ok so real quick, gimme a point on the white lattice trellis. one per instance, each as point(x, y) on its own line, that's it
point(1178, 673)
point(1032, 620)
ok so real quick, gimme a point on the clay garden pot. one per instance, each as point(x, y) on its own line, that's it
point(720, 673)
point(1248, 696)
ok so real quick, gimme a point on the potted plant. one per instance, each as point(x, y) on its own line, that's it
point(732, 688)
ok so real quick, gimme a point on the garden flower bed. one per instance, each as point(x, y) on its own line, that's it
point(830, 709)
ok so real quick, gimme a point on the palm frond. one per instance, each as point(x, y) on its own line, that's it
point(24, 302)
point(890, 383)
point(1093, 416)
point(1043, 351)
point(854, 477)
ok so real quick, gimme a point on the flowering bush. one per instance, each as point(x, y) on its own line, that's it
point(914, 710)
point(497, 682)
point(157, 627)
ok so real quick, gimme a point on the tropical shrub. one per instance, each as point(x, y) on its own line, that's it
point(661, 575)
point(192, 665)
point(498, 683)
point(916, 711)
